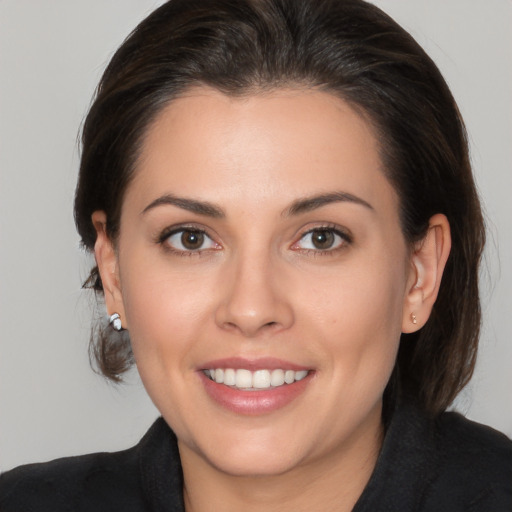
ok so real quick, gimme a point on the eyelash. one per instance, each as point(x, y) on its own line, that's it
point(172, 231)
point(345, 239)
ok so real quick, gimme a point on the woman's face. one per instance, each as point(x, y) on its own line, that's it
point(260, 244)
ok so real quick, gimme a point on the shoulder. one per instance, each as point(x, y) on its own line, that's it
point(465, 438)
point(146, 476)
point(474, 463)
point(88, 482)
point(441, 464)
point(467, 465)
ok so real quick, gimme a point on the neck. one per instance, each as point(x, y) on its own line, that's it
point(333, 482)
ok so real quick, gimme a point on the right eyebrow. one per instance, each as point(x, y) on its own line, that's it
point(191, 205)
point(312, 203)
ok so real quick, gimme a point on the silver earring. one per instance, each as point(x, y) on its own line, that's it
point(413, 318)
point(115, 322)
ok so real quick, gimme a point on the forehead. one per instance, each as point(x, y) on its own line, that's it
point(276, 145)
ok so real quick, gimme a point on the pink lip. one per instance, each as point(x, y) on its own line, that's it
point(262, 363)
point(253, 403)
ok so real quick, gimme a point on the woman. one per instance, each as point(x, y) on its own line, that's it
point(287, 235)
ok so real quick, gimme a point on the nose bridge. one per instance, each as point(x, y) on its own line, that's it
point(253, 300)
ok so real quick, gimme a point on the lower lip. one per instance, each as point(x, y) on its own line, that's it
point(254, 403)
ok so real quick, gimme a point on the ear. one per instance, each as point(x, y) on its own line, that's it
point(106, 259)
point(427, 265)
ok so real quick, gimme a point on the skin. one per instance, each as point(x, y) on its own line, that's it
point(259, 288)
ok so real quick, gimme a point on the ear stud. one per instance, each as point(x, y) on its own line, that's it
point(413, 318)
point(115, 322)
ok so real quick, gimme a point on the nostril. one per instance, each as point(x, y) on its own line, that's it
point(230, 325)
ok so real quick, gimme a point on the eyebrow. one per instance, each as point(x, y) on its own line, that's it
point(312, 203)
point(191, 205)
point(297, 207)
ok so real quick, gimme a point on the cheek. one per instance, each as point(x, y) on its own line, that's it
point(360, 298)
point(165, 309)
point(359, 316)
point(166, 318)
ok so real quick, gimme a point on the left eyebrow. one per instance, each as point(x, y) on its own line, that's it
point(312, 203)
point(191, 205)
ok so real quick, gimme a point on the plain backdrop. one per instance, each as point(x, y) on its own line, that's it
point(52, 53)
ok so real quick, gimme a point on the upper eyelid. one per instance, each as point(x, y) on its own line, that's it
point(345, 235)
point(172, 230)
point(343, 232)
point(165, 233)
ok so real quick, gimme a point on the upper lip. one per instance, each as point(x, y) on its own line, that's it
point(253, 364)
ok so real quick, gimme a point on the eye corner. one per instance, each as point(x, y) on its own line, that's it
point(173, 239)
point(330, 239)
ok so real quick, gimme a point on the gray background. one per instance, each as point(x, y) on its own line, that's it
point(51, 55)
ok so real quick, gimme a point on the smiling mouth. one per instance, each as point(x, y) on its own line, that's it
point(258, 380)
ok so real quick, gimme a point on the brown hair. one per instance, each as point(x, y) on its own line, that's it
point(349, 48)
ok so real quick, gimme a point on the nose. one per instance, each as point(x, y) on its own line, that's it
point(255, 299)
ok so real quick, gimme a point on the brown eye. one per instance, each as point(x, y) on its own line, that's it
point(192, 240)
point(322, 239)
point(189, 240)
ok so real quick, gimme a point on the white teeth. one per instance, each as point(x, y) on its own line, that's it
point(300, 374)
point(229, 377)
point(289, 376)
point(243, 379)
point(219, 375)
point(277, 378)
point(259, 379)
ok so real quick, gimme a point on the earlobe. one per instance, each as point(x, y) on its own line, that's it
point(428, 262)
point(106, 259)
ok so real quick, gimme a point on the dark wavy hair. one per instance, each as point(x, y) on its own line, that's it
point(349, 48)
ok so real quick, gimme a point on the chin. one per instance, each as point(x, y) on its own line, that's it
point(250, 452)
point(264, 465)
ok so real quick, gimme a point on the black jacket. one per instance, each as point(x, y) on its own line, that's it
point(444, 465)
